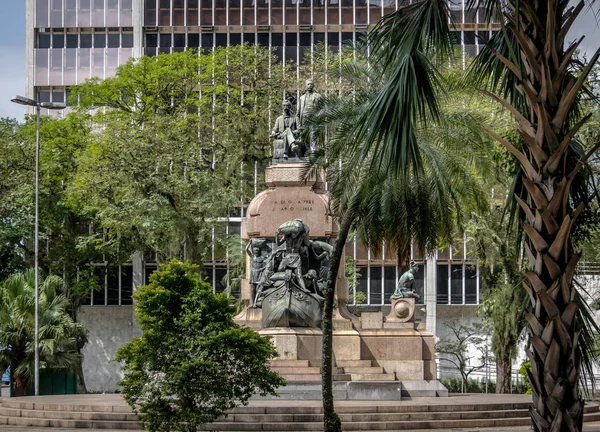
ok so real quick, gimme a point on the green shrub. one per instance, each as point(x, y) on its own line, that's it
point(192, 363)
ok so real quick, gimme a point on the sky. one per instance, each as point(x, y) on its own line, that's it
point(12, 50)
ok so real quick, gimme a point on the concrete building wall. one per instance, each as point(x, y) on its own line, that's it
point(109, 328)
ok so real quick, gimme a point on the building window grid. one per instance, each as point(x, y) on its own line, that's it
point(121, 300)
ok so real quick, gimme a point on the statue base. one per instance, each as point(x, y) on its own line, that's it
point(403, 310)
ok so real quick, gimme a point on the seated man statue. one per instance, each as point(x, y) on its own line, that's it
point(285, 144)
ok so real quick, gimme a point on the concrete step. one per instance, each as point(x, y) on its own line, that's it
point(304, 370)
point(300, 377)
point(77, 424)
point(363, 370)
point(67, 415)
point(289, 363)
point(372, 377)
point(354, 363)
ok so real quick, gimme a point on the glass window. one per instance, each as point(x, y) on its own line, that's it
point(291, 39)
point(70, 66)
point(98, 14)
point(84, 13)
point(98, 62)
point(192, 13)
point(193, 40)
point(347, 37)
point(113, 286)
point(376, 285)
point(442, 284)
point(56, 14)
point(99, 40)
point(361, 286)
point(165, 40)
point(419, 284)
point(276, 12)
point(248, 12)
point(98, 295)
point(249, 38)
point(221, 39)
point(305, 39)
point(84, 64)
point(206, 13)
point(235, 38)
point(41, 67)
point(72, 41)
point(70, 13)
point(318, 37)
point(219, 275)
point(234, 12)
point(389, 282)
point(150, 268)
point(151, 40)
point(333, 38)
point(262, 39)
point(179, 40)
point(207, 40)
point(127, 40)
point(58, 40)
point(469, 38)
point(126, 285)
point(41, 13)
point(456, 284)
point(44, 96)
point(44, 40)
point(262, 12)
point(150, 13)
point(114, 40)
point(470, 284)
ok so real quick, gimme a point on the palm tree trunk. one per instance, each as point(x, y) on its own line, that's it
point(549, 90)
point(331, 421)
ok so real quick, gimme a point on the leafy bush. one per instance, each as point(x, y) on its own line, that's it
point(192, 362)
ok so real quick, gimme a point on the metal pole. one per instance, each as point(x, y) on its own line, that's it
point(36, 378)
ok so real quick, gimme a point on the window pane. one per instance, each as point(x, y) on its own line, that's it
point(456, 280)
point(44, 40)
point(85, 40)
point(193, 40)
point(56, 14)
point(219, 275)
point(127, 40)
point(98, 295)
point(221, 39)
point(114, 40)
point(58, 40)
point(70, 13)
point(419, 284)
point(72, 41)
point(376, 285)
point(390, 282)
point(165, 40)
point(151, 40)
point(98, 62)
point(126, 285)
point(442, 284)
point(70, 66)
point(470, 284)
point(113, 286)
point(362, 285)
point(99, 40)
point(249, 38)
point(41, 13)
point(84, 64)
point(41, 67)
point(179, 40)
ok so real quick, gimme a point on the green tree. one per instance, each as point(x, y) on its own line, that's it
point(192, 362)
point(503, 305)
point(60, 338)
point(175, 145)
point(424, 206)
point(531, 72)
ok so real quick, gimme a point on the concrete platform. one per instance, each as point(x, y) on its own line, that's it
point(454, 413)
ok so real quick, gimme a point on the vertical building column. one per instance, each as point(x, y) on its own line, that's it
point(137, 270)
point(29, 50)
point(431, 295)
point(138, 28)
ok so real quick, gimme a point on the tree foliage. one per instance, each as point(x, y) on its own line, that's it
point(60, 338)
point(192, 362)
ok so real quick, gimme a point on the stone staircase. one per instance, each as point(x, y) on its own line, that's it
point(294, 371)
point(458, 412)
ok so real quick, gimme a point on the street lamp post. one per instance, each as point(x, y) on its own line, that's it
point(21, 100)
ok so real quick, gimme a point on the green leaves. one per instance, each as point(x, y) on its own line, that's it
point(192, 362)
point(60, 337)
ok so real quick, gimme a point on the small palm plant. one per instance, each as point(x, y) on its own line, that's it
point(60, 338)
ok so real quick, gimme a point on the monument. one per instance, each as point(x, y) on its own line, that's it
point(290, 236)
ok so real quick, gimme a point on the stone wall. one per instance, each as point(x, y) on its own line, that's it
point(109, 328)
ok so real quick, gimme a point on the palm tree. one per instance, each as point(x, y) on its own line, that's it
point(421, 207)
point(60, 338)
point(533, 74)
